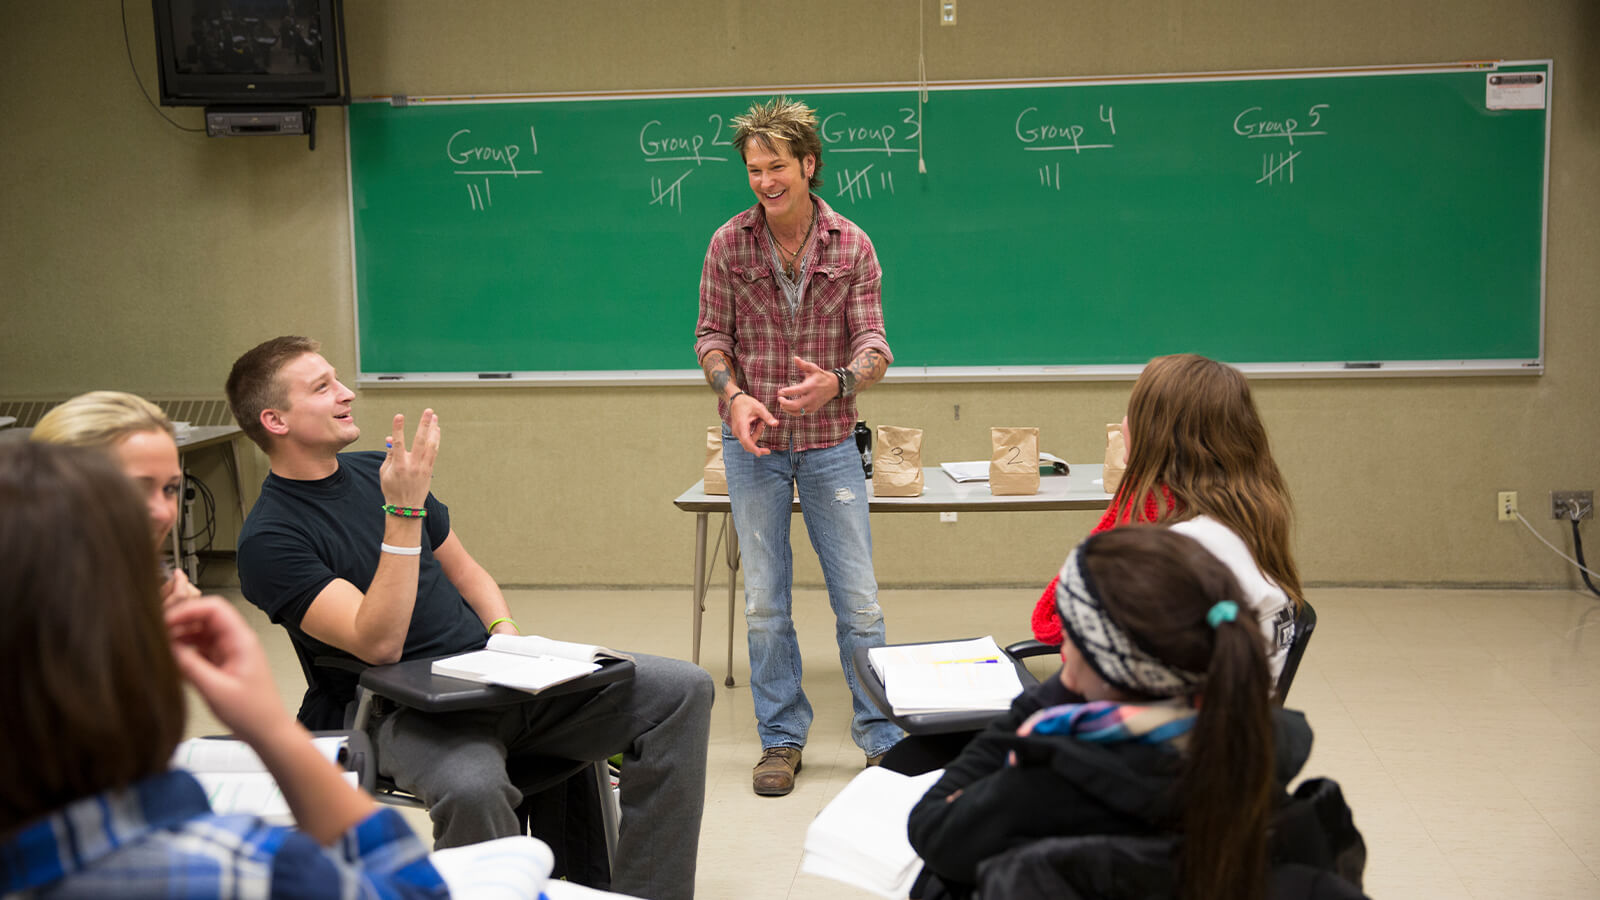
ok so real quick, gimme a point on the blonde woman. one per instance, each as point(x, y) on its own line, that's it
point(140, 439)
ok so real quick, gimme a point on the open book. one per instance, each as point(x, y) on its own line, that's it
point(526, 662)
point(859, 838)
point(946, 676)
point(237, 781)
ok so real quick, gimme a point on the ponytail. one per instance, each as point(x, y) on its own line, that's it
point(1181, 608)
point(1227, 781)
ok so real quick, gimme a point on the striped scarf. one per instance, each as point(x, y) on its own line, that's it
point(1107, 722)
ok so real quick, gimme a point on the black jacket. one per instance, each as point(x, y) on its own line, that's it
point(1061, 787)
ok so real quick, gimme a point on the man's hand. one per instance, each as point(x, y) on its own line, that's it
point(406, 474)
point(747, 418)
point(816, 387)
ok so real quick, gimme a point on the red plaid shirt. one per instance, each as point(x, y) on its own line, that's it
point(744, 313)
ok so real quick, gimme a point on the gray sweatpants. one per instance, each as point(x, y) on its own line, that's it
point(660, 721)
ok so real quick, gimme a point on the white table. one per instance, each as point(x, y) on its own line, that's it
point(1078, 490)
point(200, 437)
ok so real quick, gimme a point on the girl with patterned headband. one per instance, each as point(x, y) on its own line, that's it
point(1159, 724)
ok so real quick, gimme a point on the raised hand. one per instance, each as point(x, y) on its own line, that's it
point(816, 387)
point(406, 474)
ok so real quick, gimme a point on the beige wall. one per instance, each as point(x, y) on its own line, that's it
point(137, 256)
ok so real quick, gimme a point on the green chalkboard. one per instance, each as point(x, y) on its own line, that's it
point(1279, 219)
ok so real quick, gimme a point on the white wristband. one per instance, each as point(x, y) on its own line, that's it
point(401, 551)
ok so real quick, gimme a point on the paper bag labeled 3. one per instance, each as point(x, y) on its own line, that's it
point(897, 463)
point(1014, 466)
point(1116, 458)
point(716, 474)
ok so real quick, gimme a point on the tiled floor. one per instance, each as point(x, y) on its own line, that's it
point(1463, 725)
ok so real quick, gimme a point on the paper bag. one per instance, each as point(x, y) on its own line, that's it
point(897, 462)
point(1014, 465)
point(716, 475)
point(1116, 457)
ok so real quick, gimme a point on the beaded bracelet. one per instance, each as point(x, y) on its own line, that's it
point(405, 512)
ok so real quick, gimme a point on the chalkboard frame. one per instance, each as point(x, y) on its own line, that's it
point(904, 372)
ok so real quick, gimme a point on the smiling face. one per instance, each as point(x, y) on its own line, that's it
point(780, 181)
point(150, 459)
point(316, 412)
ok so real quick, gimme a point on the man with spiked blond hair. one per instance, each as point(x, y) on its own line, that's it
point(790, 330)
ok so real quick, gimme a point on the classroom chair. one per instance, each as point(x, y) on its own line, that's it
point(587, 816)
point(1305, 622)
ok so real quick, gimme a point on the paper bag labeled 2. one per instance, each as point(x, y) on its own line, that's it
point(1014, 466)
point(716, 474)
point(897, 462)
point(1116, 458)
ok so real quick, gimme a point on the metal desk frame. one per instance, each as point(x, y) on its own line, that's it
point(199, 438)
point(1079, 490)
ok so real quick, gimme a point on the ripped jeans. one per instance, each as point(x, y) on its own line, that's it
point(833, 500)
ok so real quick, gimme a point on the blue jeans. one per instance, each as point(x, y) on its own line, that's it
point(833, 500)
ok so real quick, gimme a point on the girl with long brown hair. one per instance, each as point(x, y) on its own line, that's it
point(1197, 451)
point(1159, 723)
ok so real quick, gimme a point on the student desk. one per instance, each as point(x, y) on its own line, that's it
point(1078, 490)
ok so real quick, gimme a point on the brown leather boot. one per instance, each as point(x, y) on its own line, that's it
point(774, 774)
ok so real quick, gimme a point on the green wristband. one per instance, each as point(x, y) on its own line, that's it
point(405, 512)
point(513, 622)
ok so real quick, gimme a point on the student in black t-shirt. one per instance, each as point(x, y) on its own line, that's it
point(354, 557)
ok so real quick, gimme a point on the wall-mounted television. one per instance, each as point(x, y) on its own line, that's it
point(219, 52)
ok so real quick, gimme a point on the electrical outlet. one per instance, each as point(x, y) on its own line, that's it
point(1505, 506)
point(947, 517)
point(947, 12)
point(1562, 504)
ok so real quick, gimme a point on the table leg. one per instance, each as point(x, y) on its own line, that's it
point(733, 578)
point(231, 461)
point(698, 609)
point(179, 524)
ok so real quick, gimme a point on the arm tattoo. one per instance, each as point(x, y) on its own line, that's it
point(718, 372)
point(868, 367)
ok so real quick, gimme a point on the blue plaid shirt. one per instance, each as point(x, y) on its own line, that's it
point(159, 838)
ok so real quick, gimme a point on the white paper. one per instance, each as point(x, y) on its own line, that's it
point(940, 651)
point(947, 676)
point(252, 793)
point(946, 687)
point(860, 838)
point(527, 673)
point(964, 472)
point(231, 755)
point(534, 645)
